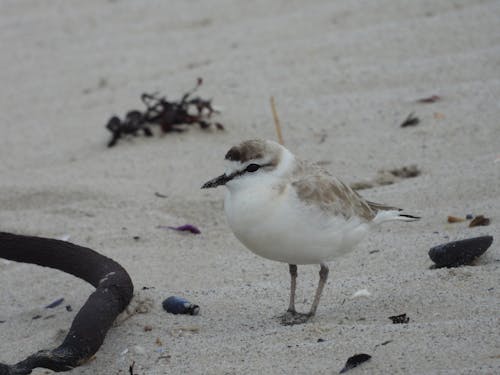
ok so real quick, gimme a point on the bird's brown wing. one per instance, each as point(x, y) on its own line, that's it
point(333, 196)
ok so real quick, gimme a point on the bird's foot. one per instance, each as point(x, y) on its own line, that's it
point(291, 318)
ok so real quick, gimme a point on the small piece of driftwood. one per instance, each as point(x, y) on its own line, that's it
point(114, 290)
point(277, 123)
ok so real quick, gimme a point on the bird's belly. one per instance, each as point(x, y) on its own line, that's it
point(274, 229)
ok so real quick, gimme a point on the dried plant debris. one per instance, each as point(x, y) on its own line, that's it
point(355, 361)
point(458, 253)
point(479, 220)
point(476, 221)
point(429, 99)
point(383, 343)
point(411, 120)
point(455, 219)
point(400, 319)
point(170, 116)
point(388, 177)
point(405, 172)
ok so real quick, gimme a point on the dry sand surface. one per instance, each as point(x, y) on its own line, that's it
point(345, 74)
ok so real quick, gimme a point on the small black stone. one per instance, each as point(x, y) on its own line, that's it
point(458, 253)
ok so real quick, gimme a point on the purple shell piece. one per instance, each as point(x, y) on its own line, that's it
point(187, 228)
point(56, 303)
point(179, 305)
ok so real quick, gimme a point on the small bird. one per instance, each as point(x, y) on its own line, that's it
point(291, 211)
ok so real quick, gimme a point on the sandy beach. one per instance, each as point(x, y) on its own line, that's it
point(345, 75)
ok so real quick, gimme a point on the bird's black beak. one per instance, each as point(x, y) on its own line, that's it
point(217, 181)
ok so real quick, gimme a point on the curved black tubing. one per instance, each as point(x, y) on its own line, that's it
point(114, 290)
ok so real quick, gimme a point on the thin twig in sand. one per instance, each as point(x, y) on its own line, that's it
point(276, 121)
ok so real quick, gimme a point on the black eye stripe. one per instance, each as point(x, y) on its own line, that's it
point(239, 173)
point(252, 168)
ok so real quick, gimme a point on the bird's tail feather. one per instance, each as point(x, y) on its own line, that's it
point(405, 217)
point(391, 215)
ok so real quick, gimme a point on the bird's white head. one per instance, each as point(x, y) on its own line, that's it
point(253, 161)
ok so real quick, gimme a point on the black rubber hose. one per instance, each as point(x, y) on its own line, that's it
point(114, 290)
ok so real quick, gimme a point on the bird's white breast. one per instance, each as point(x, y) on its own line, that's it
point(269, 220)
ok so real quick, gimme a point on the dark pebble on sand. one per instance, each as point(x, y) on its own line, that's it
point(458, 253)
point(355, 361)
point(179, 305)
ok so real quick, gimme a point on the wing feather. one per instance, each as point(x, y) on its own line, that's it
point(333, 196)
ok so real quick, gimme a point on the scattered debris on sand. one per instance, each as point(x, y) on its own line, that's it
point(476, 221)
point(400, 319)
point(455, 219)
point(388, 177)
point(429, 99)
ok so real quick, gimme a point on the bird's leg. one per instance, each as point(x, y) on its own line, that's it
point(293, 287)
point(291, 316)
point(323, 276)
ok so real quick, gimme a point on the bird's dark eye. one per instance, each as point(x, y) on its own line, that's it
point(252, 167)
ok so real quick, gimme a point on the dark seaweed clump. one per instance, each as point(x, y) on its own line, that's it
point(169, 116)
